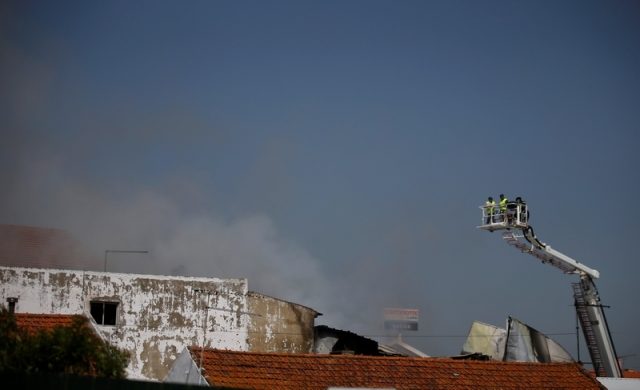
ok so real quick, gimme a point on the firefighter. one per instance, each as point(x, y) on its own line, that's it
point(489, 207)
point(502, 204)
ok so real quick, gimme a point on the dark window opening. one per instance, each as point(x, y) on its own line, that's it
point(104, 313)
point(12, 304)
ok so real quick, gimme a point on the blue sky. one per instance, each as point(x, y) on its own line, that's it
point(335, 153)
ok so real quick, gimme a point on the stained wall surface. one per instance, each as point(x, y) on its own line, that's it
point(279, 326)
point(157, 316)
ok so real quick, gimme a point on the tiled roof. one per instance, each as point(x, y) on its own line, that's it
point(631, 373)
point(626, 373)
point(38, 322)
point(298, 371)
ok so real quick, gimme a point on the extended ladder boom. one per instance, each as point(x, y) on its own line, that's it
point(587, 300)
point(547, 254)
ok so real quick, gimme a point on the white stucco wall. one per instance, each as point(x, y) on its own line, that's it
point(158, 316)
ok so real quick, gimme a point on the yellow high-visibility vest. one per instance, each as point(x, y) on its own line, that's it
point(490, 205)
point(503, 204)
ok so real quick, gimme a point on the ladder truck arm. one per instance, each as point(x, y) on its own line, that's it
point(549, 255)
point(514, 222)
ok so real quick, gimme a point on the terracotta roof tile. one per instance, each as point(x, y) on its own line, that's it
point(38, 322)
point(297, 371)
point(631, 373)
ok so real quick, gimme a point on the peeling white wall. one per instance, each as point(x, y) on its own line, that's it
point(158, 316)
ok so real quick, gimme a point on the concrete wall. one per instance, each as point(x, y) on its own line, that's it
point(279, 326)
point(157, 316)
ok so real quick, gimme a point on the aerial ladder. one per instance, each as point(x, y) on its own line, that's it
point(514, 223)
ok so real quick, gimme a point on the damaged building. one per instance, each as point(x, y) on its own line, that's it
point(155, 318)
point(519, 342)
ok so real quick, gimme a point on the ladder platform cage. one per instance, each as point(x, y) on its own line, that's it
point(516, 215)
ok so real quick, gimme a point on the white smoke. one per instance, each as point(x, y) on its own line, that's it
point(179, 242)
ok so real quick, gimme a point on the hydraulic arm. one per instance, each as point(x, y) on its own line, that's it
point(518, 233)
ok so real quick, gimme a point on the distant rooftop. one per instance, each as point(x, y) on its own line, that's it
point(631, 373)
point(30, 246)
point(38, 322)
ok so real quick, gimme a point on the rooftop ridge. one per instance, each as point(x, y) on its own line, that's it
point(196, 350)
point(131, 275)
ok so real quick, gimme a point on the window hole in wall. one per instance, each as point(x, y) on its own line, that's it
point(104, 313)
